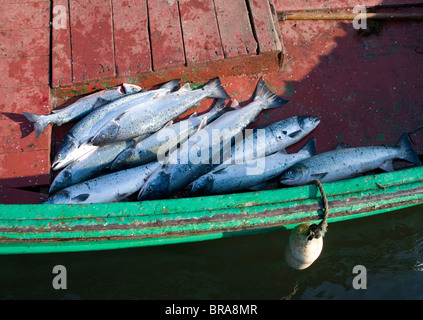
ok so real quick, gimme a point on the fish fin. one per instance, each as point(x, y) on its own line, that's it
point(203, 123)
point(407, 150)
point(107, 134)
point(220, 104)
point(171, 85)
point(294, 134)
point(273, 100)
point(185, 87)
point(168, 124)
point(220, 168)
point(235, 104)
point(82, 197)
point(309, 147)
point(387, 166)
point(341, 146)
point(40, 122)
point(215, 90)
point(320, 175)
point(99, 102)
point(259, 187)
point(193, 115)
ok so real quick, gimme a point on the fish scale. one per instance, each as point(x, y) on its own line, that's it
point(151, 117)
point(86, 128)
point(343, 163)
point(207, 144)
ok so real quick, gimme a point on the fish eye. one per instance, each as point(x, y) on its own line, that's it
point(149, 188)
point(289, 172)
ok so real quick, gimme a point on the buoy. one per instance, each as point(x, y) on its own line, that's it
point(306, 240)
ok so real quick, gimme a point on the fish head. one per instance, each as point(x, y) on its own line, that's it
point(107, 134)
point(127, 89)
point(60, 180)
point(308, 123)
point(298, 174)
point(156, 186)
point(61, 197)
point(64, 156)
point(123, 160)
point(202, 185)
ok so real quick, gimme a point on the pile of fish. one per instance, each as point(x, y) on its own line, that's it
point(127, 140)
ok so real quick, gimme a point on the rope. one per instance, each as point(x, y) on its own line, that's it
point(319, 230)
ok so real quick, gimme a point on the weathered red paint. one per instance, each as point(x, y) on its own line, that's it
point(165, 34)
point(265, 26)
point(200, 30)
point(24, 42)
point(92, 39)
point(131, 40)
point(24, 71)
point(235, 29)
point(24, 86)
point(61, 53)
point(17, 16)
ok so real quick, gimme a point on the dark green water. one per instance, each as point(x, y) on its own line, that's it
point(389, 246)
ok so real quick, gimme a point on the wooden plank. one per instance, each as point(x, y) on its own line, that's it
point(24, 71)
point(17, 196)
point(265, 27)
point(15, 16)
point(61, 54)
point(201, 33)
point(15, 136)
point(24, 42)
point(24, 169)
point(15, 100)
point(235, 29)
point(132, 44)
point(92, 40)
point(165, 34)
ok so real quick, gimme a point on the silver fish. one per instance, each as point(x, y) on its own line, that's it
point(107, 188)
point(202, 151)
point(88, 166)
point(153, 116)
point(86, 128)
point(276, 136)
point(166, 139)
point(250, 174)
point(343, 163)
point(81, 107)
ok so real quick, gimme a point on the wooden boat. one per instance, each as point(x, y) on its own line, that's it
point(284, 52)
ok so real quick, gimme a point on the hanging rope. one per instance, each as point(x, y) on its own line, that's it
point(319, 230)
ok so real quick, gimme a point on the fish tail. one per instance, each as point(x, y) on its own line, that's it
point(171, 85)
point(273, 100)
point(407, 150)
point(215, 90)
point(309, 147)
point(40, 122)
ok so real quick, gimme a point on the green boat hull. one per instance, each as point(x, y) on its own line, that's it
point(69, 228)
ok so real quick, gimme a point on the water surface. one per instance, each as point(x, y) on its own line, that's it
point(389, 246)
